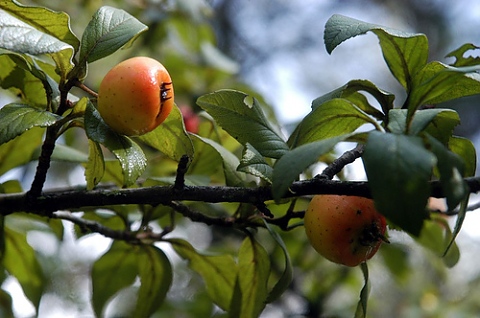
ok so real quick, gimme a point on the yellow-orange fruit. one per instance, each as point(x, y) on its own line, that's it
point(136, 96)
point(344, 229)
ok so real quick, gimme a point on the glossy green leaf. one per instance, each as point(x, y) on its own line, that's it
point(333, 118)
point(361, 311)
point(254, 163)
point(286, 278)
point(229, 161)
point(349, 90)
point(465, 149)
point(95, 167)
point(56, 24)
point(156, 275)
point(242, 117)
point(109, 30)
point(15, 119)
point(10, 157)
point(288, 168)
point(219, 272)
point(252, 279)
point(399, 168)
point(170, 137)
point(460, 55)
point(129, 154)
point(451, 168)
point(50, 31)
point(21, 262)
point(113, 271)
point(405, 53)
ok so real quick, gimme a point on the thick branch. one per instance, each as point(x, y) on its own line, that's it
point(72, 199)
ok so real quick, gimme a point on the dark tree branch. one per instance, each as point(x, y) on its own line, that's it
point(181, 170)
point(43, 163)
point(74, 198)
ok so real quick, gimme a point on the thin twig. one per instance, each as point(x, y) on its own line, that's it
point(338, 164)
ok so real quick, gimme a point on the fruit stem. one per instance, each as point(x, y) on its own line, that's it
point(85, 88)
point(383, 238)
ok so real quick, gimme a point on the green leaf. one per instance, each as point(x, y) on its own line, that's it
point(395, 257)
point(461, 59)
point(23, 223)
point(333, 118)
point(254, 163)
point(442, 125)
point(156, 275)
point(451, 254)
point(242, 117)
point(36, 80)
point(349, 90)
point(287, 276)
point(436, 236)
point(397, 121)
point(37, 31)
point(288, 168)
point(21, 262)
point(439, 122)
point(109, 30)
point(170, 137)
point(444, 120)
point(129, 154)
point(218, 271)
point(399, 168)
point(28, 142)
point(15, 119)
point(405, 53)
point(95, 167)
point(113, 271)
point(252, 279)
point(451, 169)
point(465, 149)
point(229, 161)
point(56, 24)
point(438, 83)
point(361, 311)
point(64, 153)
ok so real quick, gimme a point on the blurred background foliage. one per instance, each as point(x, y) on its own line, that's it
point(274, 50)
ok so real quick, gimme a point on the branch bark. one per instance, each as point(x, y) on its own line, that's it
point(75, 199)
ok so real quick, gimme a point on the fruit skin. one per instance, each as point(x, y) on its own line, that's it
point(344, 229)
point(135, 96)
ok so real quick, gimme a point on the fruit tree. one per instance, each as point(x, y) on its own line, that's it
point(148, 179)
